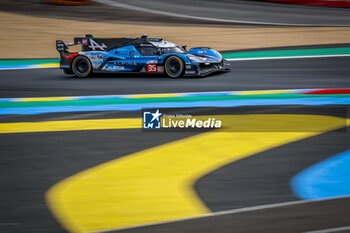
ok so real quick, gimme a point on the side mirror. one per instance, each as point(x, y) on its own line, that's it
point(184, 47)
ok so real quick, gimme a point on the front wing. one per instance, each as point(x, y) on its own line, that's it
point(204, 69)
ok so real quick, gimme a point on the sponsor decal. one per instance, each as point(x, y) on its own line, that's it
point(162, 44)
point(151, 68)
point(85, 42)
point(125, 63)
point(160, 68)
point(190, 72)
point(113, 68)
point(95, 56)
point(152, 62)
point(131, 54)
point(118, 67)
point(64, 66)
point(158, 120)
point(94, 45)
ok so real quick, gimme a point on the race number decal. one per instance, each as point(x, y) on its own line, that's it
point(94, 45)
point(151, 67)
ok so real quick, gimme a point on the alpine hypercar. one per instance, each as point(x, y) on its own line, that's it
point(152, 55)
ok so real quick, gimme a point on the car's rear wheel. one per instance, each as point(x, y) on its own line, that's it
point(174, 67)
point(81, 66)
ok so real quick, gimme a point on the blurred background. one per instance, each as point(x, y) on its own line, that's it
point(30, 27)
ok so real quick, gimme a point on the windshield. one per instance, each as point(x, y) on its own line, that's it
point(176, 49)
point(148, 51)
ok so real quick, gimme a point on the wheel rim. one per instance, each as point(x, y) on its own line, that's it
point(82, 66)
point(174, 67)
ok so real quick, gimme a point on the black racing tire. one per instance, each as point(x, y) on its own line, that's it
point(81, 66)
point(67, 71)
point(174, 67)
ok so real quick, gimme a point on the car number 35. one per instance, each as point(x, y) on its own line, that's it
point(151, 68)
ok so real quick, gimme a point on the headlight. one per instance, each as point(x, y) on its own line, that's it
point(196, 59)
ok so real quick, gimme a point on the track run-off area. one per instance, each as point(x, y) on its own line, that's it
point(237, 12)
point(75, 158)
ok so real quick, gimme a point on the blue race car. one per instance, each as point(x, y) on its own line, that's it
point(152, 55)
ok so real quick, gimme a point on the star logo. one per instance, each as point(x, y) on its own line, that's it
point(156, 115)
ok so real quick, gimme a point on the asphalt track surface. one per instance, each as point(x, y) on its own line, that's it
point(243, 13)
point(43, 159)
point(244, 75)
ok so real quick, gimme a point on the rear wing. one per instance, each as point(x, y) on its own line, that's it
point(90, 43)
point(61, 46)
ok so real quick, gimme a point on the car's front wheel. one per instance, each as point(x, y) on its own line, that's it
point(81, 66)
point(174, 67)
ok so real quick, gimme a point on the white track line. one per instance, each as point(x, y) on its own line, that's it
point(287, 57)
point(331, 230)
point(234, 211)
point(136, 8)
